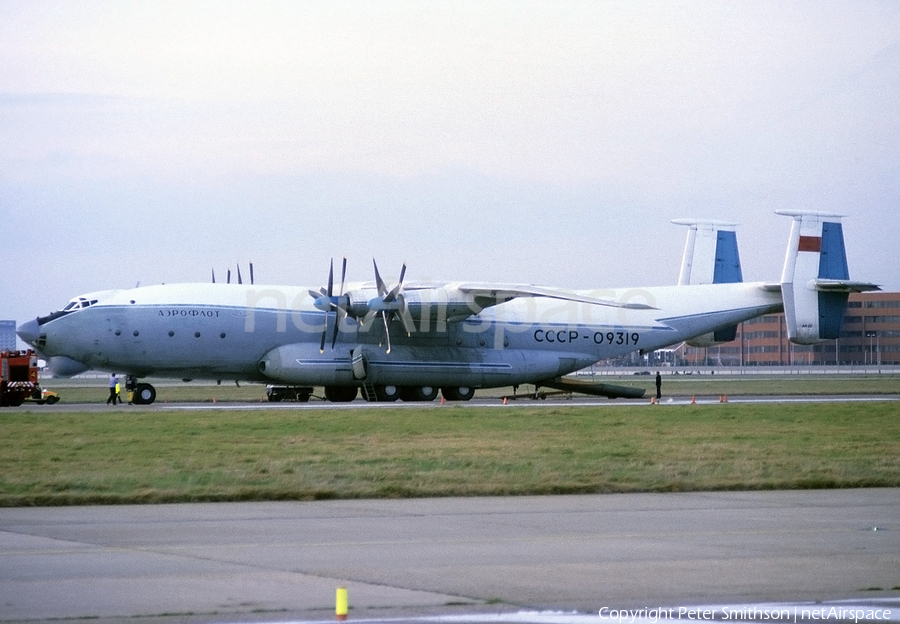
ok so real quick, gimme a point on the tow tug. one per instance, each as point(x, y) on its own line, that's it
point(42, 396)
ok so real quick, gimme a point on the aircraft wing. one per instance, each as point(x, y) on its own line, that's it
point(492, 294)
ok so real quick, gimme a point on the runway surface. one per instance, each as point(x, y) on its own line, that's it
point(472, 559)
point(578, 400)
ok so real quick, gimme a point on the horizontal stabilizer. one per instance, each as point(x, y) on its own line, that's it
point(844, 286)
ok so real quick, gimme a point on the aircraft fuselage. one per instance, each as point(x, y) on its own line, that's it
point(219, 331)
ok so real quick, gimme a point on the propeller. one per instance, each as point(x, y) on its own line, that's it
point(228, 275)
point(392, 303)
point(327, 302)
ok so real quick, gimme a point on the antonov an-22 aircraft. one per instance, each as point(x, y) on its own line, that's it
point(411, 339)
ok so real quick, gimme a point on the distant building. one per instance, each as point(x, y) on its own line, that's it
point(870, 336)
point(7, 335)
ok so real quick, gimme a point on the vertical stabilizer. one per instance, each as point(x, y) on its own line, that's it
point(815, 280)
point(710, 253)
point(710, 257)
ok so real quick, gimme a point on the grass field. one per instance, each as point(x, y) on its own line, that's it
point(143, 456)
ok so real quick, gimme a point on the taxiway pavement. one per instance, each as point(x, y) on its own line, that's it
point(242, 562)
point(574, 401)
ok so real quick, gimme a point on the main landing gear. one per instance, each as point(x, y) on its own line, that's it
point(145, 394)
point(391, 393)
point(142, 394)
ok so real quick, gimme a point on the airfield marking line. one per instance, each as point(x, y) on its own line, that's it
point(681, 401)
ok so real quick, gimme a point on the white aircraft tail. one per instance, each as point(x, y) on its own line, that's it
point(710, 257)
point(815, 282)
point(710, 253)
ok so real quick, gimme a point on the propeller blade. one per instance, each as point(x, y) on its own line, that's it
point(340, 315)
point(387, 331)
point(382, 289)
point(214, 276)
point(339, 307)
point(367, 319)
point(392, 295)
point(331, 277)
point(405, 317)
point(327, 293)
point(239, 274)
point(251, 273)
point(228, 277)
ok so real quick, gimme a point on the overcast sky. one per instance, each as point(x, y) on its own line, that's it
point(537, 142)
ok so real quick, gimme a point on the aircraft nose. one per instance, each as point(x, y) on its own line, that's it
point(29, 331)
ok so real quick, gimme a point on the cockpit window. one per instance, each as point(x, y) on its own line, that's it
point(75, 304)
point(78, 303)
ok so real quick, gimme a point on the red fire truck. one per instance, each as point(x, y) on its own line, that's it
point(18, 377)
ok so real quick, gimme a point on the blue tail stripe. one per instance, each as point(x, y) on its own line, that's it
point(728, 262)
point(831, 314)
point(833, 259)
point(832, 265)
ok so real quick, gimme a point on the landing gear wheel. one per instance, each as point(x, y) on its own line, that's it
point(144, 394)
point(461, 393)
point(387, 394)
point(341, 394)
point(418, 393)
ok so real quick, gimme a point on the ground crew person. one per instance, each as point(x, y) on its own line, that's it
point(113, 389)
point(130, 387)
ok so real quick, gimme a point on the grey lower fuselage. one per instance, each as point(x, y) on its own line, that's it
point(209, 331)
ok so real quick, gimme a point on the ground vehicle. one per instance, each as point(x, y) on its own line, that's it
point(41, 396)
point(276, 394)
point(18, 376)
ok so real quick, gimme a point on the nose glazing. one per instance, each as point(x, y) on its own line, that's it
point(29, 331)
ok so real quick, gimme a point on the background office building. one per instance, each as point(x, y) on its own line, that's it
point(870, 336)
point(7, 335)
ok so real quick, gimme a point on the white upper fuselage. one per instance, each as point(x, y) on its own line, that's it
point(273, 333)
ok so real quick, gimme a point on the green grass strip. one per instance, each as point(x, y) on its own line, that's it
point(141, 456)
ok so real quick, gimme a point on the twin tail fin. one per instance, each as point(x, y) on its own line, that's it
point(815, 281)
